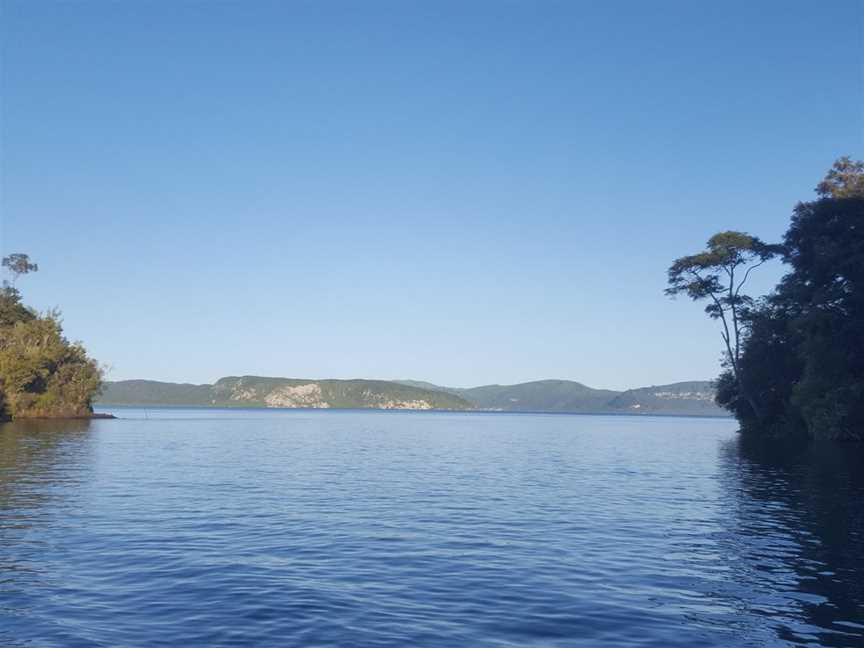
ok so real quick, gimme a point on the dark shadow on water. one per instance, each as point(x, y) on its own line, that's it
point(800, 509)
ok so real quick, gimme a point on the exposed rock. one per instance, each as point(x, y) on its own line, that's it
point(297, 396)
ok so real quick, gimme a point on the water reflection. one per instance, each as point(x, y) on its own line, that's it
point(38, 456)
point(41, 463)
point(796, 537)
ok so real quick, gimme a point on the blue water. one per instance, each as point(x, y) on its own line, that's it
point(315, 528)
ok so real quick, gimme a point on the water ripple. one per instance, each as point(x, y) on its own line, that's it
point(393, 529)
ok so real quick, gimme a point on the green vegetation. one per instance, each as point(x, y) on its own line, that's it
point(794, 363)
point(257, 391)
point(537, 396)
point(541, 395)
point(694, 398)
point(42, 374)
point(152, 392)
point(718, 274)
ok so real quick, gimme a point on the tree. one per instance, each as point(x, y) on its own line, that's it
point(42, 374)
point(770, 365)
point(845, 179)
point(825, 247)
point(718, 274)
point(11, 308)
point(802, 358)
point(18, 264)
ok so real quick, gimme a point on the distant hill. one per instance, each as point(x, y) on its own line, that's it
point(152, 392)
point(687, 398)
point(257, 391)
point(541, 395)
point(694, 397)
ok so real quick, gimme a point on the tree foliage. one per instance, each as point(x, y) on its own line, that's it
point(718, 274)
point(42, 374)
point(802, 360)
point(11, 308)
point(844, 180)
point(18, 264)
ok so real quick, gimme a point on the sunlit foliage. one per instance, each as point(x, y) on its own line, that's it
point(42, 374)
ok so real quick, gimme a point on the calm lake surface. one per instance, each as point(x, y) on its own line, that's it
point(316, 528)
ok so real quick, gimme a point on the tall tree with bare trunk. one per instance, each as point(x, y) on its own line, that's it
point(718, 274)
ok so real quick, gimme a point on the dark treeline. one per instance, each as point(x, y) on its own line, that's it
point(794, 360)
point(42, 374)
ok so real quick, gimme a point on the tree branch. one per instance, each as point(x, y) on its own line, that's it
point(725, 333)
point(747, 274)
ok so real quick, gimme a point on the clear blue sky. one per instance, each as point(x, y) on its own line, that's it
point(461, 192)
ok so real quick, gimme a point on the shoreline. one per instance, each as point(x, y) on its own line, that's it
point(87, 417)
point(396, 410)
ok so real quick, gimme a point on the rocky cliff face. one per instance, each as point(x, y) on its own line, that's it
point(300, 396)
point(311, 395)
point(331, 393)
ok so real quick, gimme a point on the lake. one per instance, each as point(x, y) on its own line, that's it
point(195, 527)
